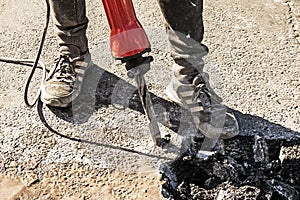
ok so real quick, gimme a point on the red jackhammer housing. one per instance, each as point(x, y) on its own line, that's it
point(127, 36)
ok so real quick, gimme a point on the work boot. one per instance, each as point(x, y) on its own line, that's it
point(64, 81)
point(190, 89)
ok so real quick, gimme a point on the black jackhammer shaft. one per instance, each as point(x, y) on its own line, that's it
point(136, 69)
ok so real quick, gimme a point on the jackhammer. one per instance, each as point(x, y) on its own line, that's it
point(128, 43)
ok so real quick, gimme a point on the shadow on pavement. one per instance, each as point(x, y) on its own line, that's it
point(252, 165)
point(102, 89)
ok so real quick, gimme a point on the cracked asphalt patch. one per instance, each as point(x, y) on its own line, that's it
point(254, 64)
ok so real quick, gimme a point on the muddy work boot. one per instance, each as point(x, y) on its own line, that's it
point(63, 83)
point(190, 89)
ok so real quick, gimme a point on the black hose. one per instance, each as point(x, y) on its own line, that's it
point(34, 63)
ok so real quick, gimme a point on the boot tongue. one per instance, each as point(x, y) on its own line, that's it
point(69, 50)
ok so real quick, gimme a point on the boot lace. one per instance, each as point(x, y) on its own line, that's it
point(203, 93)
point(207, 97)
point(65, 69)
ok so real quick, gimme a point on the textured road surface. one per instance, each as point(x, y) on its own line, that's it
point(254, 65)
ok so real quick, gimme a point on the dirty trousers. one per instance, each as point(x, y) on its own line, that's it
point(183, 21)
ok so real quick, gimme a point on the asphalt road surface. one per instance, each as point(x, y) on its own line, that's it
point(254, 64)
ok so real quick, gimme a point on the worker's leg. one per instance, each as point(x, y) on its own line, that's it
point(190, 85)
point(71, 24)
point(64, 82)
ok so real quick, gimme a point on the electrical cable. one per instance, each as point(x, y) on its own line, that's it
point(34, 63)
